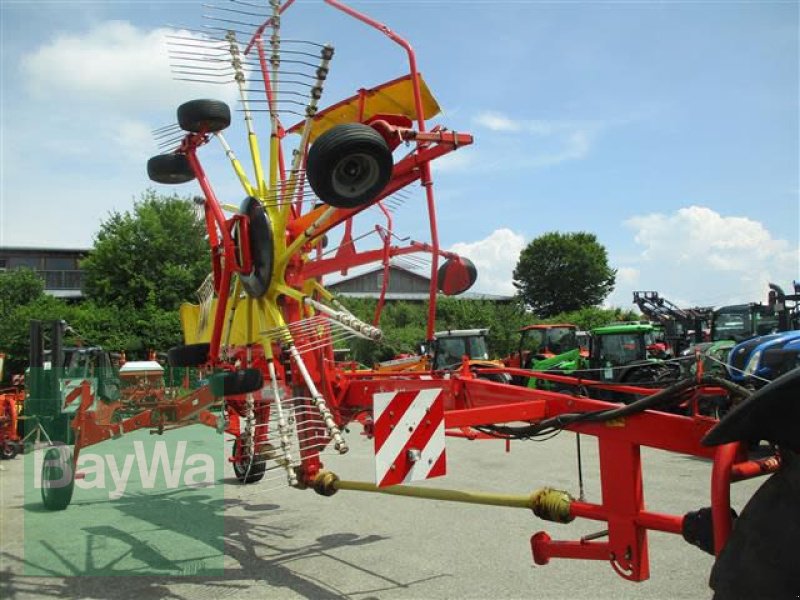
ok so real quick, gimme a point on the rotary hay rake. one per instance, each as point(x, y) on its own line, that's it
point(268, 326)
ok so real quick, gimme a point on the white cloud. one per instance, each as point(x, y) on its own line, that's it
point(627, 275)
point(695, 255)
point(114, 64)
point(134, 137)
point(461, 160)
point(496, 122)
point(495, 257)
point(554, 141)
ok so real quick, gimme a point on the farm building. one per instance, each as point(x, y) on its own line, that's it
point(404, 284)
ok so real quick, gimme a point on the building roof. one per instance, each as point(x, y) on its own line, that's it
point(379, 268)
point(424, 296)
point(408, 295)
point(39, 249)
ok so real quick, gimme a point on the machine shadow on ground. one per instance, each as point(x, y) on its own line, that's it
point(253, 552)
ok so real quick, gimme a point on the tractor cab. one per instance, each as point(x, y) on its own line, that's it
point(616, 350)
point(94, 365)
point(741, 322)
point(450, 346)
point(543, 341)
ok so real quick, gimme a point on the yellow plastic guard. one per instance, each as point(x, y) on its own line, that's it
point(193, 334)
point(395, 97)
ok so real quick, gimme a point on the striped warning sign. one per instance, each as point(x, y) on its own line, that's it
point(409, 436)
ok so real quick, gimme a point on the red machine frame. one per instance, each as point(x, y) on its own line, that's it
point(469, 401)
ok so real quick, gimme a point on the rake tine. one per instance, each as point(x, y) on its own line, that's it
point(204, 67)
point(198, 56)
point(231, 21)
point(166, 130)
point(285, 82)
point(169, 146)
point(208, 81)
point(281, 111)
point(200, 73)
point(287, 92)
point(202, 31)
point(246, 3)
point(186, 40)
point(169, 126)
point(262, 16)
point(281, 101)
point(173, 139)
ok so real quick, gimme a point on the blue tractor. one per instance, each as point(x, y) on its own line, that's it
point(757, 361)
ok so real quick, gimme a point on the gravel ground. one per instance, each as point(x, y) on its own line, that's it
point(285, 543)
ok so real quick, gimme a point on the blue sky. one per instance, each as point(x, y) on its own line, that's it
point(669, 129)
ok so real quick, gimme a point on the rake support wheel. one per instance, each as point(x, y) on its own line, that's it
point(204, 116)
point(349, 165)
point(247, 469)
point(170, 169)
point(9, 449)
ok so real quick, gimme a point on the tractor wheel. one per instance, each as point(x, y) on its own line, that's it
point(248, 469)
point(204, 116)
point(9, 450)
point(170, 169)
point(649, 375)
point(58, 478)
point(191, 355)
point(759, 559)
point(237, 383)
point(349, 165)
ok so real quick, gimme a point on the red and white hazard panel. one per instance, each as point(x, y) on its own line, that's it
point(409, 436)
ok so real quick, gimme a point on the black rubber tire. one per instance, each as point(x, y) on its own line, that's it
point(759, 559)
point(236, 383)
point(262, 249)
point(9, 450)
point(170, 169)
point(204, 116)
point(248, 471)
point(349, 165)
point(57, 497)
point(191, 355)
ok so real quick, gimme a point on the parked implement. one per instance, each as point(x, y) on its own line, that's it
point(683, 327)
point(268, 325)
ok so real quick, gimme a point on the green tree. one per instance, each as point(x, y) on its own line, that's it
point(155, 255)
point(591, 317)
point(403, 325)
point(14, 328)
point(18, 287)
point(562, 272)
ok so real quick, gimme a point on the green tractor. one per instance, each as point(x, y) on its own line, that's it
point(624, 353)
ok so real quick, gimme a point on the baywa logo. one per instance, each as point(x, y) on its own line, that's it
point(137, 505)
point(148, 468)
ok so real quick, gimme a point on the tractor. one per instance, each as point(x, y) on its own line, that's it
point(537, 342)
point(625, 353)
point(446, 352)
point(758, 360)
